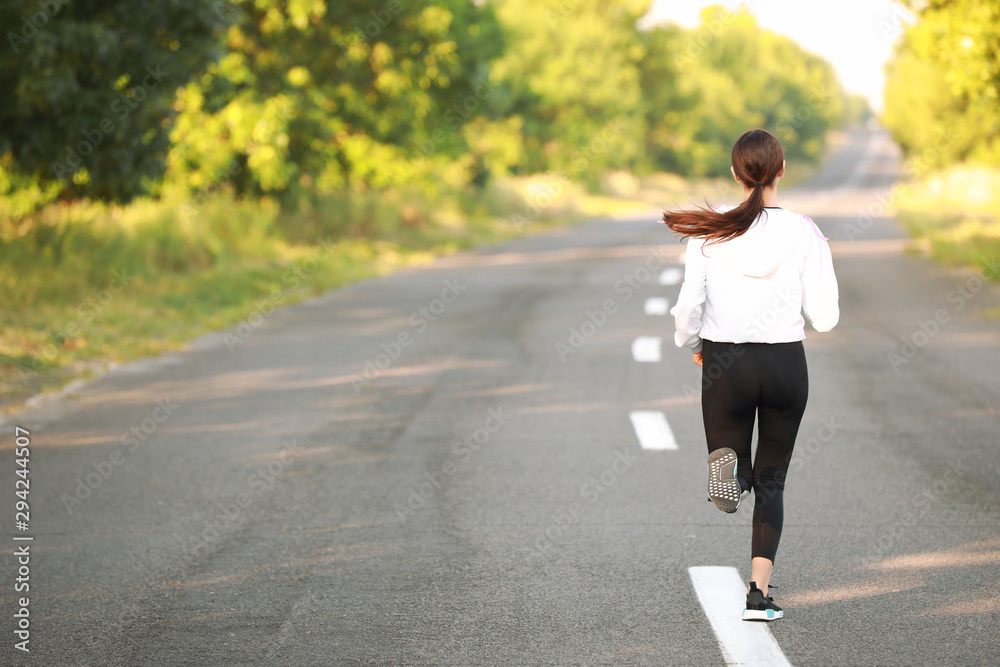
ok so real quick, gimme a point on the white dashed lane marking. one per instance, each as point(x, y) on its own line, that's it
point(672, 276)
point(652, 429)
point(647, 348)
point(657, 306)
point(723, 596)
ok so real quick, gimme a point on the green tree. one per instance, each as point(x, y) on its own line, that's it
point(87, 87)
point(310, 98)
point(942, 94)
point(706, 86)
point(666, 105)
point(571, 67)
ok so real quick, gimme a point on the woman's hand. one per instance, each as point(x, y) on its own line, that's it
point(697, 358)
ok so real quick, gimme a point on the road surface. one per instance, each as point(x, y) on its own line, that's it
point(465, 464)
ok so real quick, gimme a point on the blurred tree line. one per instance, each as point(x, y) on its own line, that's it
point(942, 94)
point(298, 99)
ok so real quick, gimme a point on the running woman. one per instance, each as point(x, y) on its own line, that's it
point(751, 272)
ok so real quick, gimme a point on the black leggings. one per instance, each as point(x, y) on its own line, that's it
point(769, 382)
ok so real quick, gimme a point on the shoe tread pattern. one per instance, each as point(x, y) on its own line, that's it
point(723, 488)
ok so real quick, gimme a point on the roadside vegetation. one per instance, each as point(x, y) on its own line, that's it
point(942, 105)
point(96, 284)
point(163, 173)
point(955, 216)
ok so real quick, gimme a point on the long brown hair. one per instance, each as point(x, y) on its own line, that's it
point(757, 161)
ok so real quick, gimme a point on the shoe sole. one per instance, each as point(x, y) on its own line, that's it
point(723, 487)
point(762, 615)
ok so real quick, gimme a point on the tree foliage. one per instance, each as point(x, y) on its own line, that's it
point(294, 99)
point(573, 72)
point(942, 95)
point(707, 86)
point(311, 97)
point(87, 86)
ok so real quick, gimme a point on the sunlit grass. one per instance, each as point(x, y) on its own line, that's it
point(955, 217)
point(86, 284)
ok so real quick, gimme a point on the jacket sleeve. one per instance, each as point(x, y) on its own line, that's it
point(690, 304)
point(820, 294)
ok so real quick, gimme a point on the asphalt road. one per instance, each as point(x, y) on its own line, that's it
point(433, 468)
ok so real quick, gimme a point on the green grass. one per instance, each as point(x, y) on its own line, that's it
point(954, 217)
point(187, 267)
point(86, 284)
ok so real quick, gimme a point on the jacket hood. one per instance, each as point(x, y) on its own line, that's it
point(763, 247)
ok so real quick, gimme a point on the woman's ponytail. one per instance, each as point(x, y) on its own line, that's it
point(757, 161)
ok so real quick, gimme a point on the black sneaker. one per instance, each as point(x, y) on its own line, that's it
point(723, 488)
point(759, 607)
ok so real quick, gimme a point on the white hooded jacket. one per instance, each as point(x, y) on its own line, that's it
point(756, 287)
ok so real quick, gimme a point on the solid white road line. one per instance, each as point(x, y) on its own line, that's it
point(652, 429)
point(723, 596)
point(657, 306)
point(646, 348)
point(672, 276)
